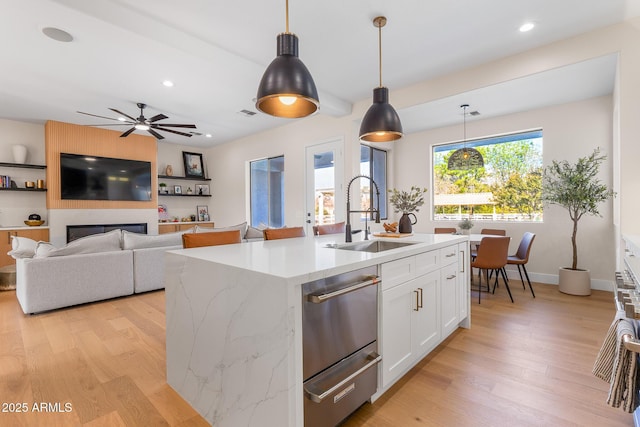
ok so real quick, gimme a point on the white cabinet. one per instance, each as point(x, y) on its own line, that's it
point(449, 298)
point(411, 324)
point(464, 295)
point(422, 302)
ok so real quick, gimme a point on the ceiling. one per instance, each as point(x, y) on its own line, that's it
point(215, 53)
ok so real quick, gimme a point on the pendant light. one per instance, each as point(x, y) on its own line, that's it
point(287, 88)
point(465, 158)
point(381, 123)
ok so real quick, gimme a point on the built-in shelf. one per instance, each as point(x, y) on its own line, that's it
point(186, 178)
point(184, 195)
point(22, 165)
point(32, 190)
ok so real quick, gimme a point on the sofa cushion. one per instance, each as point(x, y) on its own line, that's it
point(242, 228)
point(140, 241)
point(22, 247)
point(103, 242)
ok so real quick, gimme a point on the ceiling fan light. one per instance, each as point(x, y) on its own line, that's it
point(381, 122)
point(141, 126)
point(287, 88)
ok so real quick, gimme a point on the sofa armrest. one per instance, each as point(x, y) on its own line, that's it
point(148, 268)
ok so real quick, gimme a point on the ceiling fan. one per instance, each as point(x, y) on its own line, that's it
point(142, 123)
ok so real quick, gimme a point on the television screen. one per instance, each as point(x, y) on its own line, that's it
point(84, 177)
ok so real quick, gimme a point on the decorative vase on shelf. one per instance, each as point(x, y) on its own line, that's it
point(169, 170)
point(405, 224)
point(19, 153)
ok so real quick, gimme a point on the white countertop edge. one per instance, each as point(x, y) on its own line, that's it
point(308, 258)
point(22, 227)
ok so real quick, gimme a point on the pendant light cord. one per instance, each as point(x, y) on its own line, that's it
point(287, 18)
point(379, 51)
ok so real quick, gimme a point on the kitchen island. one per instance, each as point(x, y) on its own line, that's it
point(234, 322)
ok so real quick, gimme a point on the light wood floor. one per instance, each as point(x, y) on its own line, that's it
point(522, 364)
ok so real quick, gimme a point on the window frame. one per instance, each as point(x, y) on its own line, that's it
point(270, 220)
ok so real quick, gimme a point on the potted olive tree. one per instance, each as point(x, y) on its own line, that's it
point(576, 188)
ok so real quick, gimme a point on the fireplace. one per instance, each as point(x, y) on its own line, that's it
point(77, 231)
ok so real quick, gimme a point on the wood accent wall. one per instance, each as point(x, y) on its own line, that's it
point(69, 138)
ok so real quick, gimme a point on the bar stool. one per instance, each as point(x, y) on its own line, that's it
point(283, 233)
point(214, 238)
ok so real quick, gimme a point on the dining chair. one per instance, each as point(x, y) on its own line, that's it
point(490, 231)
point(283, 233)
point(444, 230)
point(330, 228)
point(521, 257)
point(213, 238)
point(492, 256)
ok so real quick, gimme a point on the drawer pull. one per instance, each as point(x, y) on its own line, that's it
point(453, 276)
point(450, 255)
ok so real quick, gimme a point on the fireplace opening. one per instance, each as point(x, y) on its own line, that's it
point(77, 231)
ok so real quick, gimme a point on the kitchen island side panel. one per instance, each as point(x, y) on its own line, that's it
point(231, 343)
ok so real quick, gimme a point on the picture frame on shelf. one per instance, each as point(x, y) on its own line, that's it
point(202, 189)
point(177, 189)
point(202, 213)
point(193, 165)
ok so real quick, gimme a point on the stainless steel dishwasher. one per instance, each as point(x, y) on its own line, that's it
point(340, 350)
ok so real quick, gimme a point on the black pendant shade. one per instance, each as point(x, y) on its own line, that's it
point(465, 158)
point(287, 88)
point(381, 122)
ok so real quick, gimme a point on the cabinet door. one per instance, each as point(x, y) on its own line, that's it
point(36, 234)
point(5, 246)
point(167, 228)
point(396, 346)
point(426, 321)
point(449, 298)
point(464, 268)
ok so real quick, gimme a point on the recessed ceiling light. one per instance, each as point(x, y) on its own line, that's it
point(527, 26)
point(168, 83)
point(57, 34)
point(209, 135)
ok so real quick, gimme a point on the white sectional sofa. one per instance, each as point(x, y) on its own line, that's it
point(95, 267)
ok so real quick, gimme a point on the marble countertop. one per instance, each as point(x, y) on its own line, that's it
point(307, 258)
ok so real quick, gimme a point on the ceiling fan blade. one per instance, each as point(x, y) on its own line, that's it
point(95, 115)
point(123, 114)
point(114, 124)
point(175, 125)
point(126, 134)
point(154, 133)
point(172, 131)
point(157, 117)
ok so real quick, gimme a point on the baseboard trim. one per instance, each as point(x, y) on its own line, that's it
point(552, 279)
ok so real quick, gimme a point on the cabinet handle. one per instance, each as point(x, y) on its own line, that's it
point(420, 305)
point(417, 301)
point(453, 276)
point(463, 261)
point(450, 255)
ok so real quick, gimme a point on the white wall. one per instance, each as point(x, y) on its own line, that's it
point(569, 131)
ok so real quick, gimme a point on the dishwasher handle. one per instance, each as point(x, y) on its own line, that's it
point(374, 358)
point(320, 298)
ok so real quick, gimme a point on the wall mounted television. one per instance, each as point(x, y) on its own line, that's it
point(85, 177)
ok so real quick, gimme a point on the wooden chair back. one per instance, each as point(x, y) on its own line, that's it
point(331, 228)
point(283, 233)
point(214, 238)
point(494, 231)
point(492, 253)
point(444, 230)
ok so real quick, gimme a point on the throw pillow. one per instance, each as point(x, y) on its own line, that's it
point(22, 247)
point(103, 242)
point(242, 228)
point(140, 241)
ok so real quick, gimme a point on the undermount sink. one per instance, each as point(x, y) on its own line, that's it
point(371, 246)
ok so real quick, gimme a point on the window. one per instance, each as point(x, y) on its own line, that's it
point(267, 192)
point(507, 188)
point(373, 163)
